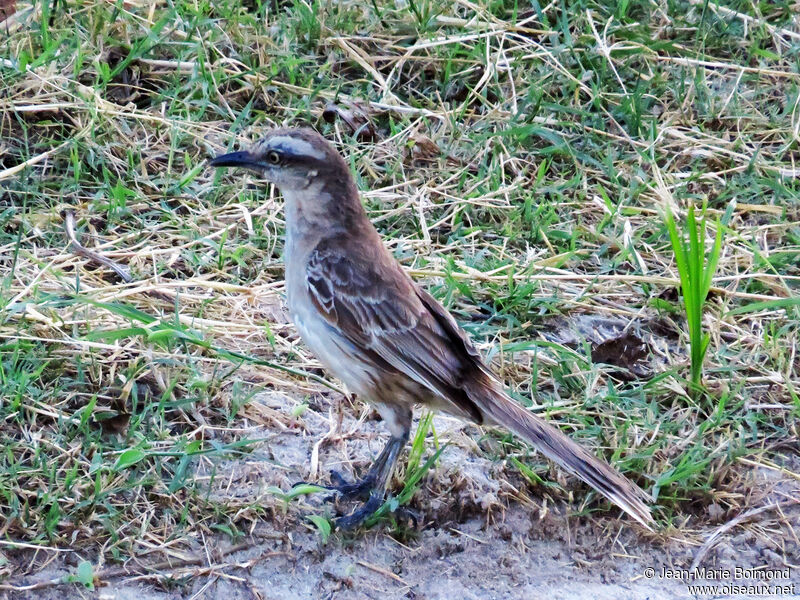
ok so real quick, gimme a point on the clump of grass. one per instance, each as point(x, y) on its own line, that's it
point(696, 270)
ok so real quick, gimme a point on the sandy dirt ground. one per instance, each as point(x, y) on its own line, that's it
point(484, 533)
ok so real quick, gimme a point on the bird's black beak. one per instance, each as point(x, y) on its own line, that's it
point(245, 159)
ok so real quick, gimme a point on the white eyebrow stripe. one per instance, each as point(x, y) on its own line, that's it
point(297, 146)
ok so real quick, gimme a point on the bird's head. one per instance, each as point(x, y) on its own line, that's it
point(291, 158)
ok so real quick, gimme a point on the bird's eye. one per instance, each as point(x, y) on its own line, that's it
point(273, 157)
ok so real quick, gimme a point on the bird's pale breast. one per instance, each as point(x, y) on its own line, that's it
point(335, 352)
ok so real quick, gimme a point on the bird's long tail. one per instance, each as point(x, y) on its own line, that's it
point(497, 407)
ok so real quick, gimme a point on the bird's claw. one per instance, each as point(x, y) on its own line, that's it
point(297, 484)
point(338, 480)
point(407, 516)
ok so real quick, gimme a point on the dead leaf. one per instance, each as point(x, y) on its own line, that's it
point(626, 351)
point(424, 149)
point(7, 8)
point(355, 117)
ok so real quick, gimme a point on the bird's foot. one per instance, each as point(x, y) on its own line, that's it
point(364, 488)
point(342, 488)
point(404, 516)
point(357, 517)
point(350, 490)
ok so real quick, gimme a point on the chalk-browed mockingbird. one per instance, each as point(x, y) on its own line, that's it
point(386, 338)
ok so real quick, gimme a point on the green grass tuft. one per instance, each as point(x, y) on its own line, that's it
point(696, 271)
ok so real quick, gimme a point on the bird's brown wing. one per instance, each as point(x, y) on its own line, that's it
point(375, 305)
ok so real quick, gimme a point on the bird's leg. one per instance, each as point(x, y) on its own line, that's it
point(373, 485)
point(362, 488)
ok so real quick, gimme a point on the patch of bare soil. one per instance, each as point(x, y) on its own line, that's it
point(484, 533)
